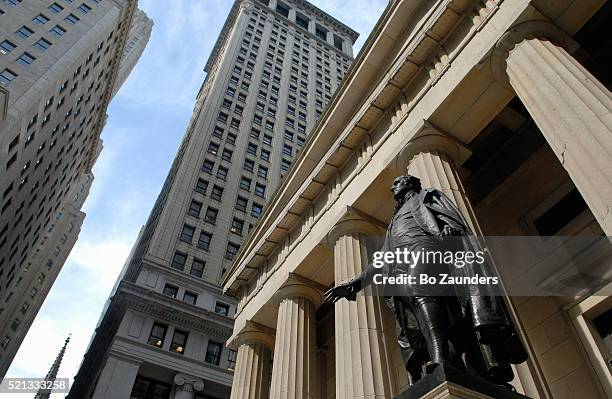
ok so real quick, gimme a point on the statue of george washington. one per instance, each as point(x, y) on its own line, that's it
point(463, 325)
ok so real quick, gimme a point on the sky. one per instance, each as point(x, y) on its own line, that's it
point(147, 120)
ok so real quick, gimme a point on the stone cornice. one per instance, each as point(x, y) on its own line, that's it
point(178, 312)
point(334, 140)
point(227, 26)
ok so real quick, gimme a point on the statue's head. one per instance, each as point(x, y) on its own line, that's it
point(404, 184)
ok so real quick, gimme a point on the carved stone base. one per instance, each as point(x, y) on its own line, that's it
point(449, 383)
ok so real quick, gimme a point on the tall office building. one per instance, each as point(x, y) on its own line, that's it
point(273, 69)
point(59, 63)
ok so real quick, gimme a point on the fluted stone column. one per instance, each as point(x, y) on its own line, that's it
point(364, 366)
point(252, 371)
point(294, 371)
point(433, 155)
point(185, 386)
point(572, 109)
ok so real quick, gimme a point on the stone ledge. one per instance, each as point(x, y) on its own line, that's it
point(448, 382)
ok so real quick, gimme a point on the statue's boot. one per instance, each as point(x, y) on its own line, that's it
point(433, 323)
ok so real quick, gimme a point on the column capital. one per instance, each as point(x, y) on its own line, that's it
point(354, 222)
point(533, 29)
point(427, 137)
point(188, 381)
point(300, 287)
point(253, 333)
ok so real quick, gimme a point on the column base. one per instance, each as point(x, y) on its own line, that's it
point(449, 383)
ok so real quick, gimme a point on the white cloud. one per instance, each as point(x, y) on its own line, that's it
point(73, 306)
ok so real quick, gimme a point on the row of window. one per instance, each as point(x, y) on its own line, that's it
point(178, 342)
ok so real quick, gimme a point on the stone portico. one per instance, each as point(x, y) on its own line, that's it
point(488, 101)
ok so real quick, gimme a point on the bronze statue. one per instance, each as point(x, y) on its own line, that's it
point(464, 326)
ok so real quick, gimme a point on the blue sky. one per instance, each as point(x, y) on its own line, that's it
point(147, 119)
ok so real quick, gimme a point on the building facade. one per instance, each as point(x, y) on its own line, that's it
point(58, 70)
point(271, 73)
point(505, 106)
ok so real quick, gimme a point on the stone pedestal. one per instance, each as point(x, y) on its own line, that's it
point(449, 383)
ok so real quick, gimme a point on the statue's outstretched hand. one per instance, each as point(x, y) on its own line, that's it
point(347, 290)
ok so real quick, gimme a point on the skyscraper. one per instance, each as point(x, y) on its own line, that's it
point(273, 69)
point(59, 63)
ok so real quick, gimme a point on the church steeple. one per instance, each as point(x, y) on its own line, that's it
point(52, 374)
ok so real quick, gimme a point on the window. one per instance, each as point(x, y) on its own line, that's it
point(190, 297)
point(55, 8)
point(179, 339)
point(231, 138)
point(245, 183)
point(287, 150)
point(211, 215)
point(267, 139)
point(256, 210)
point(262, 172)
point(42, 44)
point(248, 165)
point(241, 204)
point(178, 261)
point(170, 290)
point(222, 309)
point(187, 233)
point(24, 308)
point(6, 47)
point(260, 190)
point(7, 76)
point(207, 166)
point(145, 388)
point(194, 208)
point(285, 164)
point(84, 8)
point(40, 19)
point(26, 59)
point(222, 173)
point(24, 32)
point(226, 155)
point(15, 324)
point(12, 3)
point(213, 353)
point(201, 186)
point(213, 148)
point(216, 193)
point(218, 132)
point(57, 30)
point(197, 267)
point(158, 333)
point(72, 19)
point(237, 226)
point(252, 149)
point(204, 240)
point(231, 250)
